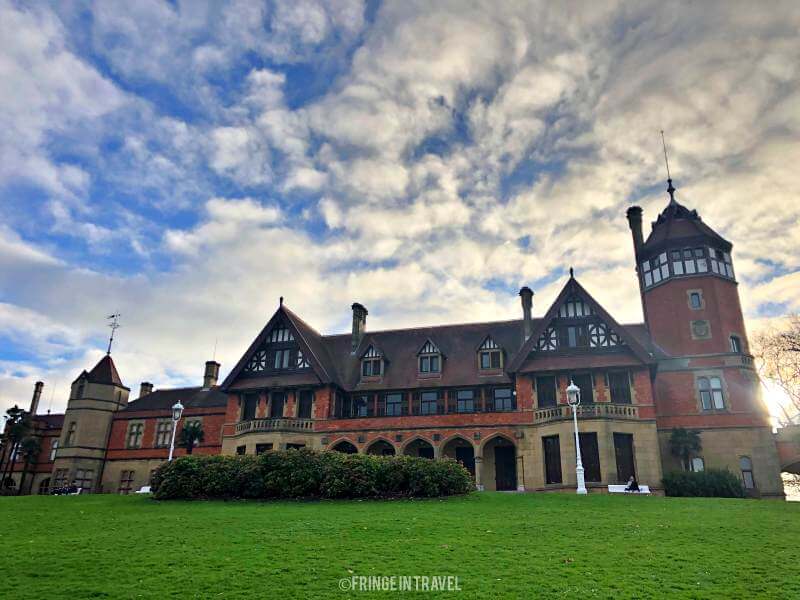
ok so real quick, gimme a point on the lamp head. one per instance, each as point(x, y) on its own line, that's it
point(177, 411)
point(573, 394)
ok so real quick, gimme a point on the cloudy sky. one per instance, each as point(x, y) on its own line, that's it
point(188, 163)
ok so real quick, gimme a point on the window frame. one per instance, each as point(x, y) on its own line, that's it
point(748, 482)
point(162, 432)
point(736, 344)
point(628, 393)
point(135, 428)
point(72, 433)
point(466, 405)
point(510, 399)
point(127, 477)
point(539, 388)
point(711, 396)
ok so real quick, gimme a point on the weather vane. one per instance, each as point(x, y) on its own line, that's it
point(114, 324)
point(670, 189)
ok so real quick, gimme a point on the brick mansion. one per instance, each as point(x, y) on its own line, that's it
point(491, 395)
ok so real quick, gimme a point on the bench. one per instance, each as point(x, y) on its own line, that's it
point(145, 490)
point(620, 489)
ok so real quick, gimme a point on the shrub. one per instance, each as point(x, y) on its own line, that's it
point(308, 474)
point(719, 483)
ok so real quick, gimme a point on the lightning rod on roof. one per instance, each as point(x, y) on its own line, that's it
point(114, 324)
point(670, 189)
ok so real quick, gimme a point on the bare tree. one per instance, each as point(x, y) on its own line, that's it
point(777, 351)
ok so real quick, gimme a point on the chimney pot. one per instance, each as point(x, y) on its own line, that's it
point(37, 395)
point(211, 374)
point(359, 324)
point(526, 294)
point(145, 388)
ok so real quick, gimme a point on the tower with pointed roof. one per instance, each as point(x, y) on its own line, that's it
point(95, 397)
point(705, 376)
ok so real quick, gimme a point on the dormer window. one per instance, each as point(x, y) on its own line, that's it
point(490, 356)
point(371, 363)
point(430, 359)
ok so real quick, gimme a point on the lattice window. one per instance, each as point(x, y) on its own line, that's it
point(548, 340)
point(575, 307)
point(280, 334)
point(602, 336)
point(302, 361)
point(258, 362)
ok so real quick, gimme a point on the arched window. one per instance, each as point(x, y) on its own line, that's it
point(711, 396)
point(746, 466)
point(44, 487)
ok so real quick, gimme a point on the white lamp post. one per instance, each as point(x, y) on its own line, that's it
point(177, 411)
point(574, 400)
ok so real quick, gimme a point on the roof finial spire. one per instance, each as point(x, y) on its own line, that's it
point(114, 326)
point(571, 273)
point(281, 301)
point(670, 189)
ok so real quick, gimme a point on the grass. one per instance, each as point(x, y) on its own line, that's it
point(499, 545)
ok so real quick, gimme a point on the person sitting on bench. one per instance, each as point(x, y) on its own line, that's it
point(633, 485)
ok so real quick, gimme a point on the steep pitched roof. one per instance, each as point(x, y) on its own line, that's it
point(573, 287)
point(104, 372)
point(676, 222)
point(191, 397)
point(307, 338)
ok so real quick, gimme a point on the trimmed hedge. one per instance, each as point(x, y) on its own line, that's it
point(308, 474)
point(718, 483)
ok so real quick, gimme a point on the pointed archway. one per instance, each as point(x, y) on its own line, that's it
point(419, 447)
point(345, 447)
point(381, 447)
point(462, 451)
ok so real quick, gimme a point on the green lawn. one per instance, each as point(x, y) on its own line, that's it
point(498, 545)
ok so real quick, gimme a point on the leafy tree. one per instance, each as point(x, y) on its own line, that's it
point(17, 428)
point(683, 444)
point(777, 352)
point(29, 450)
point(192, 435)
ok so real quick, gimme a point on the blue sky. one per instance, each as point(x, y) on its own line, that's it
point(187, 163)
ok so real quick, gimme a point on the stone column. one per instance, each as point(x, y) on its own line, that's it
point(520, 472)
point(478, 463)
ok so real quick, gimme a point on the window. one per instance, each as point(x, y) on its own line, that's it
point(249, 407)
point(623, 452)
point(126, 482)
point(590, 456)
point(83, 478)
point(465, 401)
point(573, 336)
point(306, 402)
point(747, 472)
point(302, 362)
point(503, 399)
point(552, 459)
point(371, 367)
point(695, 300)
point(276, 406)
point(280, 334)
point(282, 358)
point(362, 405)
point(261, 448)
point(430, 359)
point(163, 433)
point(585, 383)
point(548, 340)
point(546, 391)
point(490, 355)
point(60, 478)
point(711, 397)
point(44, 487)
point(697, 464)
point(70, 439)
point(677, 262)
point(241, 450)
point(429, 364)
point(135, 431)
point(429, 402)
point(619, 387)
point(394, 405)
point(720, 262)
point(736, 345)
point(575, 307)
point(53, 450)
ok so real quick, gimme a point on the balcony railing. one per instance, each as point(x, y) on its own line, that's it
point(588, 411)
point(274, 425)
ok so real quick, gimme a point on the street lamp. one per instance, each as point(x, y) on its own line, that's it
point(177, 411)
point(574, 400)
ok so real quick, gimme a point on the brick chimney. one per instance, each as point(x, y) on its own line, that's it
point(526, 294)
point(359, 324)
point(145, 388)
point(37, 395)
point(211, 374)
point(635, 222)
